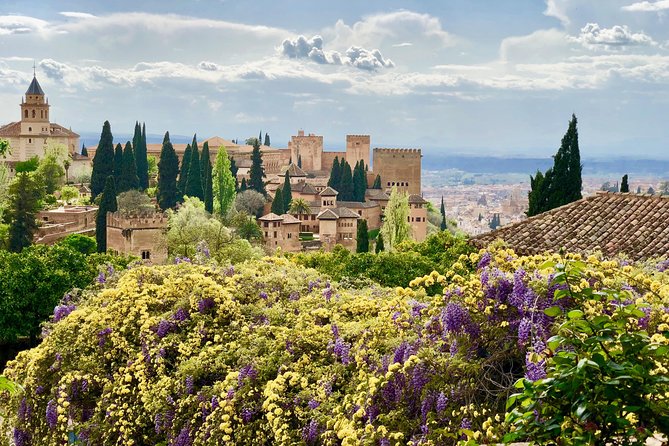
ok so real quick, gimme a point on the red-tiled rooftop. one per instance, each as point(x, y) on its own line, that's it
point(615, 223)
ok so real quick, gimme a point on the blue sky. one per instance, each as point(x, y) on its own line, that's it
point(457, 76)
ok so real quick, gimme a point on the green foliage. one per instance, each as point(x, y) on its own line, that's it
point(246, 227)
point(52, 173)
point(346, 188)
point(194, 187)
point(183, 173)
point(605, 383)
point(335, 174)
point(107, 204)
point(168, 169)
point(250, 202)
point(396, 226)
point(257, 171)
point(224, 182)
point(118, 163)
point(134, 202)
point(377, 182)
point(84, 150)
point(8, 386)
point(29, 165)
point(141, 159)
point(267, 141)
point(286, 193)
point(359, 182)
point(5, 149)
point(277, 203)
point(25, 193)
point(153, 167)
point(299, 206)
point(362, 237)
point(233, 169)
point(103, 161)
point(128, 179)
point(624, 185)
point(207, 184)
point(68, 193)
point(378, 246)
point(495, 222)
point(80, 243)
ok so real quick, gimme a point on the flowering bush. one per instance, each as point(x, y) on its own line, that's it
point(269, 352)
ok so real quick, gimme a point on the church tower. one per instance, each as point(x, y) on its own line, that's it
point(35, 111)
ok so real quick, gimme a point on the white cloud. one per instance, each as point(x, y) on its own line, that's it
point(647, 6)
point(616, 37)
point(544, 45)
point(208, 66)
point(402, 45)
point(77, 15)
point(16, 24)
point(557, 9)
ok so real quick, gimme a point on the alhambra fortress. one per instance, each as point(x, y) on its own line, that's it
point(330, 220)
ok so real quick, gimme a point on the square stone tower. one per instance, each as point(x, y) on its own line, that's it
point(400, 168)
point(357, 148)
point(308, 150)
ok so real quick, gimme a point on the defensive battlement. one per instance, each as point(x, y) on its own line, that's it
point(402, 151)
point(357, 136)
point(153, 220)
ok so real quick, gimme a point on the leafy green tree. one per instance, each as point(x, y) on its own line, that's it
point(346, 187)
point(335, 175)
point(277, 203)
point(379, 244)
point(68, 193)
point(207, 181)
point(168, 169)
point(260, 137)
point(286, 193)
point(129, 178)
point(134, 202)
point(495, 222)
point(224, 182)
point(266, 140)
point(377, 182)
point(80, 243)
point(251, 202)
point(142, 159)
point(107, 204)
point(51, 172)
point(29, 165)
point(362, 237)
point(118, 163)
point(396, 226)
point(257, 171)
point(247, 227)
point(153, 167)
point(183, 173)
point(25, 193)
point(194, 184)
point(103, 161)
point(624, 185)
point(5, 149)
point(299, 206)
point(84, 150)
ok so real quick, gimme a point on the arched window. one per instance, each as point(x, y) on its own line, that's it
point(41, 114)
point(26, 113)
point(34, 113)
point(30, 129)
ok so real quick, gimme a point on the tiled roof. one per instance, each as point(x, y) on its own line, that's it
point(289, 219)
point(329, 192)
point(358, 204)
point(635, 225)
point(327, 214)
point(294, 171)
point(57, 129)
point(271, 217)
point(35, 88)
point(304, 188)
point(416, 199)
point(345, 213)
point(11, 129)
point(376, 194)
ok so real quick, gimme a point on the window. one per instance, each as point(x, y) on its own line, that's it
point(34, 113)
point(265, 234)
point(26, 114)
point(30, 129)
point(30, 140)
point(274, 234)
point(290, 235)
point(146, 255)
point(265, 224)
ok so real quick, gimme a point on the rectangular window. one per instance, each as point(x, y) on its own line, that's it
point(274, 234)
point(290, 235)
point(146, 255)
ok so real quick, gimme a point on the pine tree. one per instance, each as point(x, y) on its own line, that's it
point(377, 182)
point(183, 173)
point(107, 204)
point(379, 244)
point(225, 183)
point(266, 139)
point(141, 159)
point(103, 161)
point(277, 203)
point(194, 181)
point(346, 187)
point(84, 150)
point(396, 226)
point(168, 169)
point(243, 186)
point(335, 174)
point(624, 186)
point(128, 178)
point(207, 185)
point(362, 237)
point(257, 171)
point(286, 192)
point(25, 193)
point(118, 163)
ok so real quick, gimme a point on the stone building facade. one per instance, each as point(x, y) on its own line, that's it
point(138, 235)
point(418, 217)
point(280, 231)
point(56, 224)
point(308, 149)
point(357, 148)
point(399, 168)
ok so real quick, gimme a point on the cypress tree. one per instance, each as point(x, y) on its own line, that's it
point(443, 225)
point(234, 169)
point(362, 237)
point(638, 189)
point(359, 182)
point(207, 184)
point(141, 159)
point(266, 139)
point(277, 203)
point(377, 182)
point(257, 172)
point(25, 193)
point(107, 204)
point(260, 137)
point(183, 174)
point(118, 163)
point(103, 161)
point(443, 208)
point(168, 169)
point(346, 188)
point(137, 136)
point(194, 182)
point(335, 174)
point(379, 244)
point(299, 161)
point(84, 150)
point(286, 193)
point(129, 178)
point(243, 186)
point(624, 186)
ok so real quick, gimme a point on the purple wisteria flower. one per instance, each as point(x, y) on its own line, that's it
point(102, 336)
point(61, 311)
point(190, 385)
point(342, 350)
point(248, 371)
point(327, 293)
point(181, 315)
point(524, 331)
point(204, 305)
point(101, 277)
point(164, 328)
point(466, 423)
point(310, 432)
point(442, 401)
point(52, 413)
point(455, 317)
point(21, 437)
point(485, 260)
point(313, 404)
point(184, 438)
point(247, 415)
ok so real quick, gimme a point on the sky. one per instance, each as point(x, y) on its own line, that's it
point(479, 77)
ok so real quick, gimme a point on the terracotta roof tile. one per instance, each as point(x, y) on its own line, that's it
point(11, 129)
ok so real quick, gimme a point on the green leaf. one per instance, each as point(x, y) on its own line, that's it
point(575, 314)
point(553, 311)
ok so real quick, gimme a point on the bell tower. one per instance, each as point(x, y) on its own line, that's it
point(34, 111)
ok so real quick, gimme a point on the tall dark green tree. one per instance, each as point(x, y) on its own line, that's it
point(362, 237)
point(84, 150)
point(346, 187)
point(103, 161)
point(234, 169)
point(168, 169)
point(443, 214)
point(141, 159)
point(243, 186)
point(194, 182)
point(377, 182)
point(260, 137)
point(277, 203)
point(299, 161)
point(379, 244)
point(118, 163)
point(359, 182)
point(335, 174)
point(136, 136)
point(266, 140)
point(107, 204)
point(128, 178)
point(257, 171)
point(25, 193)
point(183, 173)
point(624, 185)
point(286, 192)
point(538, 195)
point(207, 183)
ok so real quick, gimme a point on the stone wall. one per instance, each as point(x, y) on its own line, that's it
point(400, 168)
point(357, 148)
point(307, 148)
